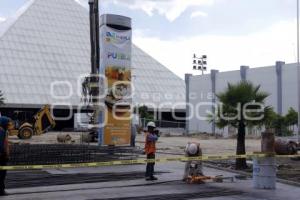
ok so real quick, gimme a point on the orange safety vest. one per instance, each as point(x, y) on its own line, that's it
point(149, 145)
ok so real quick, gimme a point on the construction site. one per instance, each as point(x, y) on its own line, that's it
point(127, 181)
point(86, 114)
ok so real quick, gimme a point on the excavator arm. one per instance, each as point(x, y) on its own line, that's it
point(43, 120)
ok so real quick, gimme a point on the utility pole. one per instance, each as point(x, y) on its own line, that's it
point(298, 71)
point(94, 36)
point(94, 79)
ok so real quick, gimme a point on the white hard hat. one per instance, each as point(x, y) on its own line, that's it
point(151, 124)
point(191, 149)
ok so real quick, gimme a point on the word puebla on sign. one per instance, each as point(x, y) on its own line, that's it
point(118, 56)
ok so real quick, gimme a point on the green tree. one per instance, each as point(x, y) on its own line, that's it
point(281, 124)
point(144, 114)
point(143, 111)
point(1, 98)
point(241, 106)
point(276, 122)
point(291, 118)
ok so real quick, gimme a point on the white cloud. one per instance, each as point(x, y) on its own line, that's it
point(263, 48)
point(171, 9)
point(2, 19)
point(198, 14)
point(83, 3)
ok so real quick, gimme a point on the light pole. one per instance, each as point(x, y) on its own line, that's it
point(200, 63)
point(298, 71)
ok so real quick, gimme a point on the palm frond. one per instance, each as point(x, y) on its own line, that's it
point(240, 94)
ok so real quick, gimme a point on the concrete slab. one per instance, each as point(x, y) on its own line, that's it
point(169, 183)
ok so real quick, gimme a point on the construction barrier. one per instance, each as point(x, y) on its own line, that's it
point(141, 161)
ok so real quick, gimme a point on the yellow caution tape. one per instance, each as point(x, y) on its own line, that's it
point(142, 161)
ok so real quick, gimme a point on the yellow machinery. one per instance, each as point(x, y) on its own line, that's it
point(42, 122)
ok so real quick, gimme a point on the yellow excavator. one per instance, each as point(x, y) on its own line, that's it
point(41, 123)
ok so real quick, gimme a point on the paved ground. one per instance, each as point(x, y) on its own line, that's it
point(208, 145)
point(174, 144)
point(169, 186)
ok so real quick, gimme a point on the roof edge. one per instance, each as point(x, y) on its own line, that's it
point(83, 3)
point(10, 21)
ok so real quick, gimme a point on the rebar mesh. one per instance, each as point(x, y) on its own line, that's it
point(34, 154)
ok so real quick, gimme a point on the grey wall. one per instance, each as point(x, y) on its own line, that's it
point(200, 92)
point(289, 87)
point(267, 77)
point(221, 85)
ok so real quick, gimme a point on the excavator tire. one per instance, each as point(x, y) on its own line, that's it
point(25, 133)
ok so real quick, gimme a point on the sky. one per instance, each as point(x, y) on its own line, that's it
point(231, 33)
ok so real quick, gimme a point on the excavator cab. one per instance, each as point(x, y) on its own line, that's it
point(20, 117)
point(25, 128)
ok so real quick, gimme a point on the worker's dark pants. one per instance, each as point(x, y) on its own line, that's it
point(150, 166)
point(132, 141)
point(3, 162)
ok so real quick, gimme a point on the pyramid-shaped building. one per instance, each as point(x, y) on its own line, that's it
point(45, 50)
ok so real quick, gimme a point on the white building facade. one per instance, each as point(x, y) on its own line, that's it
point(279, 81)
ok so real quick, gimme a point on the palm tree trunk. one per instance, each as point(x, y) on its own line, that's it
point(241, 149)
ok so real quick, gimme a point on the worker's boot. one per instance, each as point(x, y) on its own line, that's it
point(148, 178)
point(153, 178)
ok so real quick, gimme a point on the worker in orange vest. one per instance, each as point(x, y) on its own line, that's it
point(150, 149)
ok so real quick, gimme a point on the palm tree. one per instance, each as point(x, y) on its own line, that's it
point(1, 98)
point(241, 105)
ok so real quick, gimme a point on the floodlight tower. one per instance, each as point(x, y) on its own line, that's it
point(200, 63)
